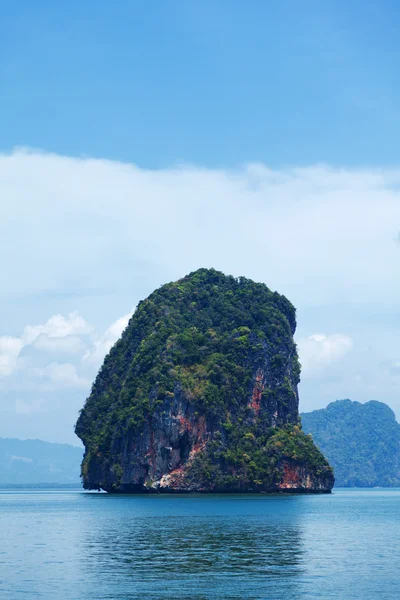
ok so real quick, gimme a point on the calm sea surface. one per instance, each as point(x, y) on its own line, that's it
point(69, 545)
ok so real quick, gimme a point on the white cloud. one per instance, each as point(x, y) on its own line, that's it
point(314, 233)
point(319, 351)
point(54, 335)
point(93, 237)
point(103, 345)
point(57, 327)
point(10, 347)
point(70, 344)
point(61, 375)
point(37, 354)
point(46, 375)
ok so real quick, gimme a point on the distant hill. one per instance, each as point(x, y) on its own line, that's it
point(38, 462)
point(361, 442)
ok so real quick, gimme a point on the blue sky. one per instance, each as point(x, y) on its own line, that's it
point(209, 82)
point(142, 140)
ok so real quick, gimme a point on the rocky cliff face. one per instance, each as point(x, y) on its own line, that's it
point(200, 394)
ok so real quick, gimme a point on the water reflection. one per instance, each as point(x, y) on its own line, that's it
point(75, 546)
point(234, 555)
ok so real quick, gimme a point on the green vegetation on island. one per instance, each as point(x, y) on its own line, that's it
point(200, 393)
point(361, 442)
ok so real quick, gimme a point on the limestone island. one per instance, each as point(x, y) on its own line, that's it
point(200, 395)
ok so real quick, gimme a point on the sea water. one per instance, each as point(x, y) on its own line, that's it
point(71, 545)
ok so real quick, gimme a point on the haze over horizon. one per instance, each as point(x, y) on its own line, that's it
point(262, 143)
